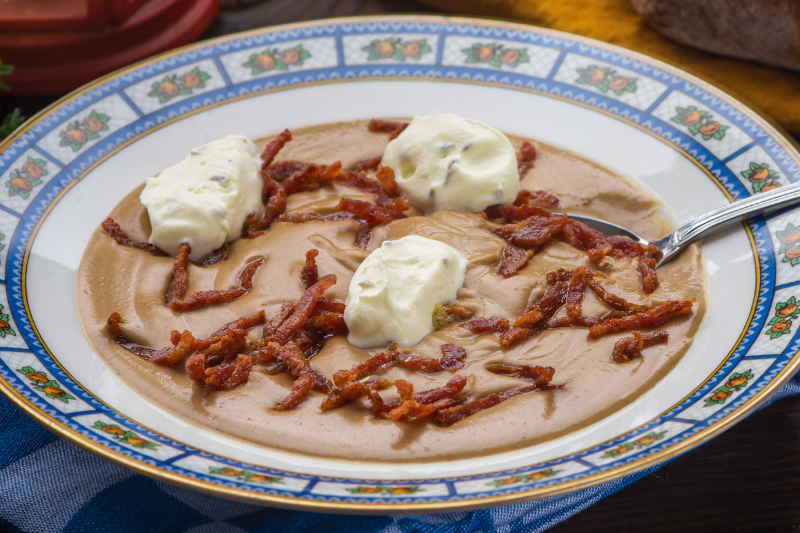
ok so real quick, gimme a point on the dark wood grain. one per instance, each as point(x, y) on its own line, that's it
point(747, 479)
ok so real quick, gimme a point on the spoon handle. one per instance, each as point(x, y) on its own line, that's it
point(719, 218)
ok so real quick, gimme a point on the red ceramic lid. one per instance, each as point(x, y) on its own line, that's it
point(56, 45)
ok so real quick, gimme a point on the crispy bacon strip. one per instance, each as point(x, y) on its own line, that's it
point(373, 215)
point(375, 364)
point(445, 316)
point(589, 239)
point(312, 177)
point(303, 309)
point(354, 391)
point(113, 230)
point(515, 334)
point(360, 181)
point(628, 348)
point(649, 317)
point(425, 403)
point(273, 147)
point(514, 260)
point(214, 366)
point(647, 270)
point(217, 256)
point(377, 125)
point(244, 323)
point(309, 274)
point(285, 312)
point(525, 157)
point(299, 367)
point(536, 374)
point(452, 359)
point(227, 376)
point(577, 286)
point(532, 231)
point(538, 196)
point(500, 213)
point(451, 415)
point(328, 323)
point(622, 246)
point(331, 306)
point(386, 176)
point(494, 324)
point(177, 288)
point(368, 164)
point(532, 321)
point(612, 300)
point(169, 356)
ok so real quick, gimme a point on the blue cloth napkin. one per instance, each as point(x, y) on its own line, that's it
point(48, 485)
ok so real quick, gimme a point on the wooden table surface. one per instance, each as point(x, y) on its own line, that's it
point(747, 479)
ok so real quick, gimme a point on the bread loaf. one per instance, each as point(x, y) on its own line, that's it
point(766, 31)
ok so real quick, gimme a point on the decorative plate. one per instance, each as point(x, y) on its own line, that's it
point(691, 144)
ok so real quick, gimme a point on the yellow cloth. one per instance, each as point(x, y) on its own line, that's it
point(775, 92)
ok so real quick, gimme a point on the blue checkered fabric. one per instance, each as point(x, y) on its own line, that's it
point(48, 485)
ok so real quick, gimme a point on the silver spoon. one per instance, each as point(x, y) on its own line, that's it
point(674, 243)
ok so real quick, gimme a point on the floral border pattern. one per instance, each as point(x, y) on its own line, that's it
point(710, 119)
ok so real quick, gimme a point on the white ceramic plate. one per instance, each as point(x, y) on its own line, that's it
point(67, 166)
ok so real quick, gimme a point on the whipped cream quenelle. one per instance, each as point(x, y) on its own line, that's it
point(205, 198)
point(443, 161)
point(393, 292)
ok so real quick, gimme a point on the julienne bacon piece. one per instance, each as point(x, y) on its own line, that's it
point(647, 270)
point(375, 364)
point(536, 374)
point(445, 316)
point(354, 391)
point(515, 212)
point(273, 147)
point(273, 196)
point(176, 291)
point(577, 286)
point(531, 322)
point(425, 403)
point(169, 356)
point(113, 230)
point(525, 157)
point(538, 196)
point(481, 326)
point(532, 231)
point(622, 246)
point(628, 348)
point(328, 323)
point(275, 322)
point(299, 367)
point(244, 323)
point(452, 359)
point(590, 240)
point(649, 317)
point(514, 260)
point(377, 125)
point(386, 176)
point(302, 310)
point(221, 366)
point(370, 213)
point(312, 177)
point(368, 164)
point(449, 416)
point(330, 306)
point(612, 300)
point(217, 256)
point(309, 274)
point(360, 181)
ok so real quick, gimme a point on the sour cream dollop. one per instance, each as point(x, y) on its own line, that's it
point(443, 161)
point(205, 198)
point(393, 292)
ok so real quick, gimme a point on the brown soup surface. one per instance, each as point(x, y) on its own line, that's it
point(114, 278)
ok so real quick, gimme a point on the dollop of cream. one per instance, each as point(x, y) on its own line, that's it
point(393, 292)
point(443, 161)
point(205, 198)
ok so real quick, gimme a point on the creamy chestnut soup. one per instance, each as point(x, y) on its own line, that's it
point(114, 278)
